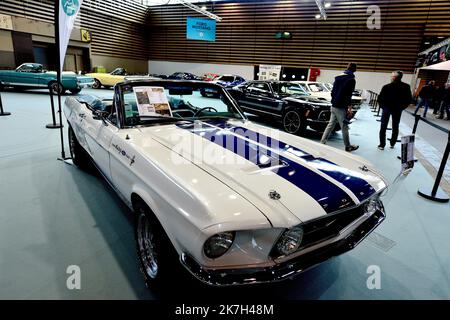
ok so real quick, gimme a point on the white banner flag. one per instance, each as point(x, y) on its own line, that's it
point(68, 11)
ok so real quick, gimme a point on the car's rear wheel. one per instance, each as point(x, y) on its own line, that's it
point(57, 88)
point(154, 249)
point(79, 156)
point(293, 122)
point(97, 84)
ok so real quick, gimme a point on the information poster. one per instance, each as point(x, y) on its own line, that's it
point(407, 153)
point(152, 101)
point(269, 72)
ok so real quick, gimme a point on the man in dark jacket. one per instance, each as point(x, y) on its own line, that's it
point(425, 97)
point(341, 97)
point(393, 99)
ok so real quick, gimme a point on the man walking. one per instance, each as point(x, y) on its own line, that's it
point(341, 97)
point(425, 96)
point(393, 99)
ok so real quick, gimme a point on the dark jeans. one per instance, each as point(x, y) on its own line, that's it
point(387, 113)
point(423, 102)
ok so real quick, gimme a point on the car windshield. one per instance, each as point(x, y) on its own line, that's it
point(147, 103)
point(286, 88)
point(317, 87)
point(225, 78)
point(329, 86)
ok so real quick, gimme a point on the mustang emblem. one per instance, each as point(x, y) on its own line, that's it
point(124, 153)
point(274, 195)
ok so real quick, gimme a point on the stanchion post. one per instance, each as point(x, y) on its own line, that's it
point(2, 112)
point(435, 194)
point(416, 123)
point(52, 125)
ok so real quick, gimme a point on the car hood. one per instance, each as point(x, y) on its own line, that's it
point(288, 178)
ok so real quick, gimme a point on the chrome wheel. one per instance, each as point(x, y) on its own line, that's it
point(147, 246)
point(55, 87)
point(96, 84)
point(292, 122)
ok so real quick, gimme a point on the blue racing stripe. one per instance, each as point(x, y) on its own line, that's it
point(327, 194)
point(360, 187)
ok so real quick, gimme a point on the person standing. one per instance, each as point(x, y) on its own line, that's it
point(341, 97)
point(425, 96)
point(393, 99)
point(445, 107)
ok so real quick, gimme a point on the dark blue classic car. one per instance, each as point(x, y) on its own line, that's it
point(183, 76)
point(228, 80)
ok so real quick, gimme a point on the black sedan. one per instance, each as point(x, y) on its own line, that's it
point(283, 101)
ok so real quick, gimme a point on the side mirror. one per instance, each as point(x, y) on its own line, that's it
point(100, 115)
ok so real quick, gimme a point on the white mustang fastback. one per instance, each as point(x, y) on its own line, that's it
point(236, 202)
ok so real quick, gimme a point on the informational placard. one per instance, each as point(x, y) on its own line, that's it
point(200, 29)
point(407, 153)
point(269, 72)
point(6, 22)
point(152, 101)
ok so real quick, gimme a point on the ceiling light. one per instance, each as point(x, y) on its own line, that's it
point(293, 76)
point(327, 4)
point(203, 7)
point(427, 42)
point(318, 16)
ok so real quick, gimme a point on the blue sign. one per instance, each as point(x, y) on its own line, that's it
point(201, 29)
point(70, 7)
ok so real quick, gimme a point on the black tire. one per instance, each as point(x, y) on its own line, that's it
point(293, 122)
point(79, 156)
point(75, 91)
point(156, 254)
point(97, 84)
point(55, 87)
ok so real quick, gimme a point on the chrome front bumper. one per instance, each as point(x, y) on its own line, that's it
point(289, 268)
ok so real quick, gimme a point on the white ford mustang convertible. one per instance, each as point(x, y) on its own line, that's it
point(235, 201)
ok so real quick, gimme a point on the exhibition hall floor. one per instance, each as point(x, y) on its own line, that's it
point(53, 215)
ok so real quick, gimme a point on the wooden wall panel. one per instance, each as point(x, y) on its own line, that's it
point(118, 27)
point(246, 34)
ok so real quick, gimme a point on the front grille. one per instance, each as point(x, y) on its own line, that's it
point(328, 227)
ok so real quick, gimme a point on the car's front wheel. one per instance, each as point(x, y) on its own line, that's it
point(154, 249)
point(293, 122)
point(79, 156)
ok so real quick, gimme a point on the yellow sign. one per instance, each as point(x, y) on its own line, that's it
point(85, 35)
point(6, 22)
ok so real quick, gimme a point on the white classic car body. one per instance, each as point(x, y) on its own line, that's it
point(323, 91)
point(194, 198)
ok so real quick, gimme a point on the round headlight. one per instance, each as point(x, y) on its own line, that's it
point(290, 240)
point(218, 244)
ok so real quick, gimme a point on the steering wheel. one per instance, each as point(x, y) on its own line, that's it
point(204, 109)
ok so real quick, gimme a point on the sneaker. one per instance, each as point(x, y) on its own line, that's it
point(351, 148)
point(380, 148)
point(392, 147)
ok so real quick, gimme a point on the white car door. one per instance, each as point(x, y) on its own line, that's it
point(98, 135)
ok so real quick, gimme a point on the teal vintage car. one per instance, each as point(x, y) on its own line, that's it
point(33, 75)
